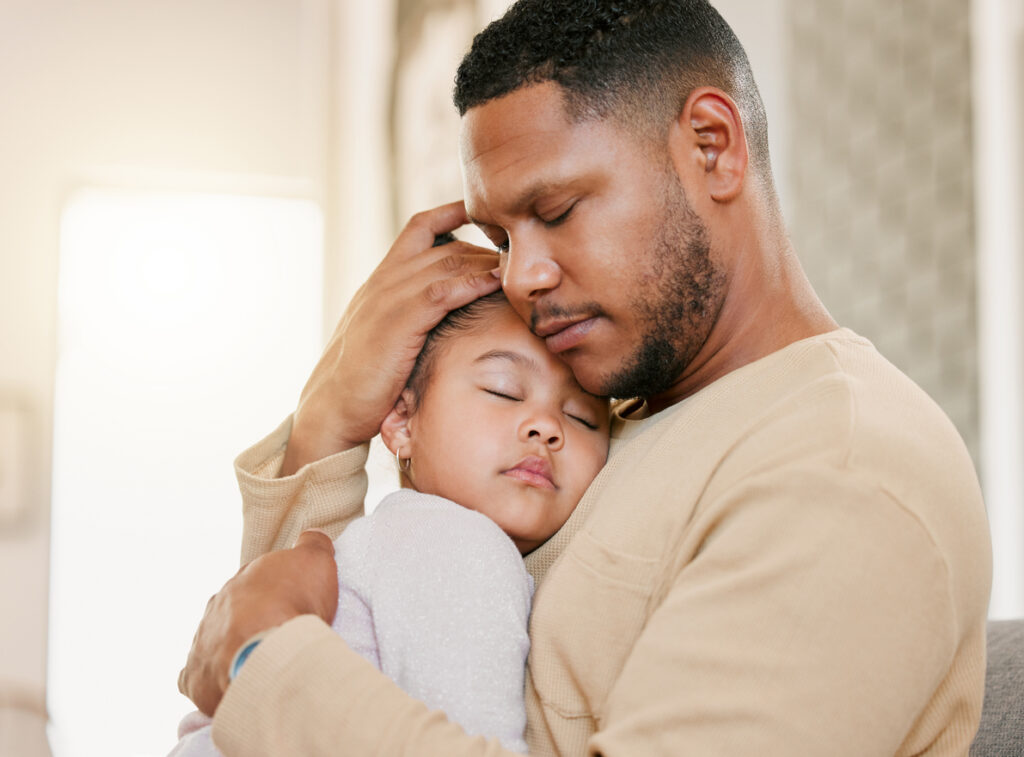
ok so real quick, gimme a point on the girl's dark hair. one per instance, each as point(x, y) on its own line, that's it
point(458, 321)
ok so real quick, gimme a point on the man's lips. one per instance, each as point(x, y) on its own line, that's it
point(564, 334)
point(534, 471)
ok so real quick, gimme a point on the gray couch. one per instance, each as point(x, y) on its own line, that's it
point(1002, 716)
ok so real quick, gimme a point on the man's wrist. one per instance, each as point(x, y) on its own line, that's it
point(310, 444)
point(243, 652)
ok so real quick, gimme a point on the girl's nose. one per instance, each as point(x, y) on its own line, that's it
point(544, 427)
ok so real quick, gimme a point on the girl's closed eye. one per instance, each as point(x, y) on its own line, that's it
point(508, 394)
point(582, 414)
point(584, 421)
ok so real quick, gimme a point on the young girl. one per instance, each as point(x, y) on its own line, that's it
point(496, 444)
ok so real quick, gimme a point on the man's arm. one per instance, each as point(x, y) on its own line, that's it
point(792, 631)
point(303, 691)
point(353, 387)
point(327, 494)
point(309, 472)
point(265, 593)
point(373, 350)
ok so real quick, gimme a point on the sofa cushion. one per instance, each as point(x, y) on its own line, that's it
point(1002, 716)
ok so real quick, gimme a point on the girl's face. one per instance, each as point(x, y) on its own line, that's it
point(504, 429)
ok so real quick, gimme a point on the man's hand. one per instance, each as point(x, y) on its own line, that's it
point(270, 590)
point(369, 358)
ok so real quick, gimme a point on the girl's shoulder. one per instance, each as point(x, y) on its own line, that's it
point(408, 515)
point(416, 538)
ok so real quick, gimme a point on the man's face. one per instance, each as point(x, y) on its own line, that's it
point(602, 254)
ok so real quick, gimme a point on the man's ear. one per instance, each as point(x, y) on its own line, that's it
point(395, 429)
point(710, 130)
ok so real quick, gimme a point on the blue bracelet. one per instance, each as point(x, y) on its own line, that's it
point(242, 655)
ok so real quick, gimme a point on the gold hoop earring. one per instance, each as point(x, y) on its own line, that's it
point(398, 459)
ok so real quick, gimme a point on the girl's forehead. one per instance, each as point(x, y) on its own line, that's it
point(503, 342)
point(498, 328)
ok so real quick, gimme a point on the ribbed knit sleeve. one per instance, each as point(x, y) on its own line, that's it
point(325, 494)
point(304, 692)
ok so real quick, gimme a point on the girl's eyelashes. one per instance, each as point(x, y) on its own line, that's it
point(589, 424)
point(512, 396)
point(503, 395)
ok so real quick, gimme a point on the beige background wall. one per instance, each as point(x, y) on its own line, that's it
point(228, 95)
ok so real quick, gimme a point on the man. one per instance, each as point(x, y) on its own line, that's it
point(787, 553)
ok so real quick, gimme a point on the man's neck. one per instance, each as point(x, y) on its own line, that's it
point(769, 305)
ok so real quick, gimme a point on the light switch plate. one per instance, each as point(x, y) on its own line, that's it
point(13, 459)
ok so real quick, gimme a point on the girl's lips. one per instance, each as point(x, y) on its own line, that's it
point(570, 336)
point(533, 471)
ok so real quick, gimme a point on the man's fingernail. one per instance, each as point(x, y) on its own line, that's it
point(319, 531)
point(316, 531)
point(496, 273)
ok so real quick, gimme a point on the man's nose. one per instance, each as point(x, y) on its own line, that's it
point(529, 271)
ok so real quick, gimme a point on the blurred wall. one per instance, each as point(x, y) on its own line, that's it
point(212, 95)
point(906, 206)
point(997, 76)
point(882, 191)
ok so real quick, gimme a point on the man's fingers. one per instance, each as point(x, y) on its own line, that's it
point(425, 226)
point(449, 294)
point(269, 591)
point(321, 575)
point(463, 260)
point(444, 217)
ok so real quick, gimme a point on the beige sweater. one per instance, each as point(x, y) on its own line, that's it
point(794, 561)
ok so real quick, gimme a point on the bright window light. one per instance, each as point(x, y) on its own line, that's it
point(188, 324)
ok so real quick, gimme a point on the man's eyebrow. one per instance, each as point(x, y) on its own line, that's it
point(517, 358)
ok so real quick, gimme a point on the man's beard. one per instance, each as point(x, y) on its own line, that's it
point(682, 295)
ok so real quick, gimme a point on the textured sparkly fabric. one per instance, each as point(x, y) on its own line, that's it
point(436, 596)
point(793, 561)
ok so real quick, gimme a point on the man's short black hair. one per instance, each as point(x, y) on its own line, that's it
point(635, 61)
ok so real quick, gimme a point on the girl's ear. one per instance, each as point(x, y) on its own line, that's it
point(395, 428)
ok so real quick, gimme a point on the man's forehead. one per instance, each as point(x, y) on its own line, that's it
point(513, 174)
point(509, 162)
point(523, 114)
